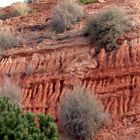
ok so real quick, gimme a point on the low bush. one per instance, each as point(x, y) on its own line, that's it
point(66, 13)
point(14, 125)
point(8, 39)
point(20, 9)
point(105, 28)
point(81, 114)
point(88, 1)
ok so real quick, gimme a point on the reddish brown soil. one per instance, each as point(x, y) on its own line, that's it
point(56, 66)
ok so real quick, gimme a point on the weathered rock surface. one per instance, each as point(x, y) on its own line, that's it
point(115, 78)
point(48, 69)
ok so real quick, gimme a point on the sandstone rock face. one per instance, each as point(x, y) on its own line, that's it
point(48, 69)
point(115, 78)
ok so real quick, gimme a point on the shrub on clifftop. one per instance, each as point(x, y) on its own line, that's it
point(106, 27)
point(20, 9)
point(8, 39)
point(66, 13)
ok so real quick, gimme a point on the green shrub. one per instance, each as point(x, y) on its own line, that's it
point(14, 125)
point(20, 9)
point(66, 13)
point(106, 27)
point(31, 1)
point(3, 16)
point(88, 1)
point(8, 39)
point(80, 114)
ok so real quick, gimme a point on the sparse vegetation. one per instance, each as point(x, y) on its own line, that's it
point(8, 39)
point(66, 13)
point(3, 16)
point(106, 27)
point(16, 125)
point(20, 9)
point(11, 92)
point(88, 1)
point(81, 114)
point(31, 1)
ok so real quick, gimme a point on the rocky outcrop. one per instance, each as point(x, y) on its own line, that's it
point(114, 78)
point(48, 69)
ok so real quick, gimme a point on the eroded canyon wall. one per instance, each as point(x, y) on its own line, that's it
point(114, 78)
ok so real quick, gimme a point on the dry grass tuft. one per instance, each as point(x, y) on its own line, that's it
point(11, 91)
point(8, 39)
point(20, 9)
point(66, 13)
